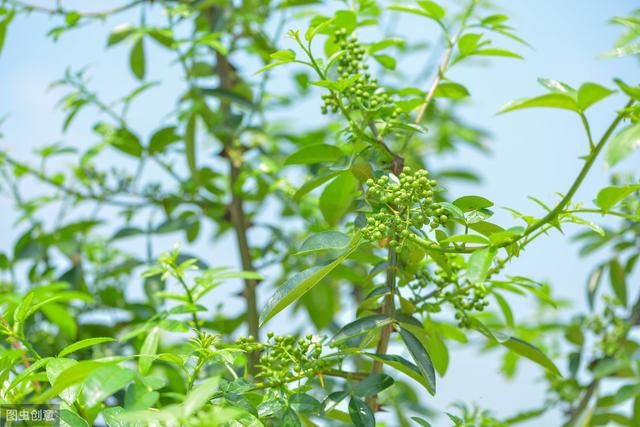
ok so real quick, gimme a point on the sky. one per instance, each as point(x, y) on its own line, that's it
point(534, 152)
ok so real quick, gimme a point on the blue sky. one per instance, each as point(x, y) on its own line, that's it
point(535, 152)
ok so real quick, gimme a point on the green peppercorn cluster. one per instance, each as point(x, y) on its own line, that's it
point(404, 205)
point(567, 390)
point(450, 288)
point(609, 327)
point(363, 92)
point(286, 358)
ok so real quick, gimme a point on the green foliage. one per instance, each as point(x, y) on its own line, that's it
point(390, 268)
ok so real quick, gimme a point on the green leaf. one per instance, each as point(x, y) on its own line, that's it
point(346, 19)
point(590, 93)
point(119, 33)
point(361, 326)
point(373, 385)
point(71, 376)
point(163, 36)
point(436, 347)
point(4, 24)
point(439, 353)
point(83, 344)
point(556, 86)
point(420, 421)
point(20, 314)
point(298, 285)
point(401, 364)
point(433, 9)
point(550, 100)
point(303, 403)
point(284, 55)
point(163, 138)
point(103, 382)
point(631, 91)
point(54, 368)
point(467, 238)
point(452, 209)
point(28, 372)
point(313, 184)
point(451, 90)
point(72, 419)
point(199, 396)
point(384, 44)
point(139, 397)
point(630, 49)
point(609, 197)
point(472, 203)
point(421, 357)
point(337, 197)
point(622, 144)
point(386, 61)
point(593, 283)
point(360, 413)
point(479, 264)
point(496, 52)
point(190, 146)
point(468, 43)
point(313, 30)
point(148, 351)
point(517, 345)
point(271, 65)
point(61, 316)
point(136, 59)
point(626, 392)
point(324, 241)
point(531, 352)
point(316, 153)
point(505, 308)
point(411, 9)
point(120, 138)
point(618, 280)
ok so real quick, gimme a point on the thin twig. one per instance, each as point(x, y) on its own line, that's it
point(444, 63)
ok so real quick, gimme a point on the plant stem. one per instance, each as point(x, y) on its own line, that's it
point(581, 176)
point(190, 299)
point(587, 129)
point(388, 309)
point(558, 209)
point(236, 209)
point(444, 64)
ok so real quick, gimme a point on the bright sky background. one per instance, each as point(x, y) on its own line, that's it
point(535, 152)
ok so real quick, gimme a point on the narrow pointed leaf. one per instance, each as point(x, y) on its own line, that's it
point(421, 357)
point(550, 100)
point(401, 364)
point(83, 344)
point(103, 382)
point(324, 241)
point(590, 93)
point(618, 280)
point(148, 350)
point(373, 385)
point(316, 153)
point(137, 60)
point(622, 144)
point(479, 264)
point(298, 285)
point(361, 326)
point(360, 413)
